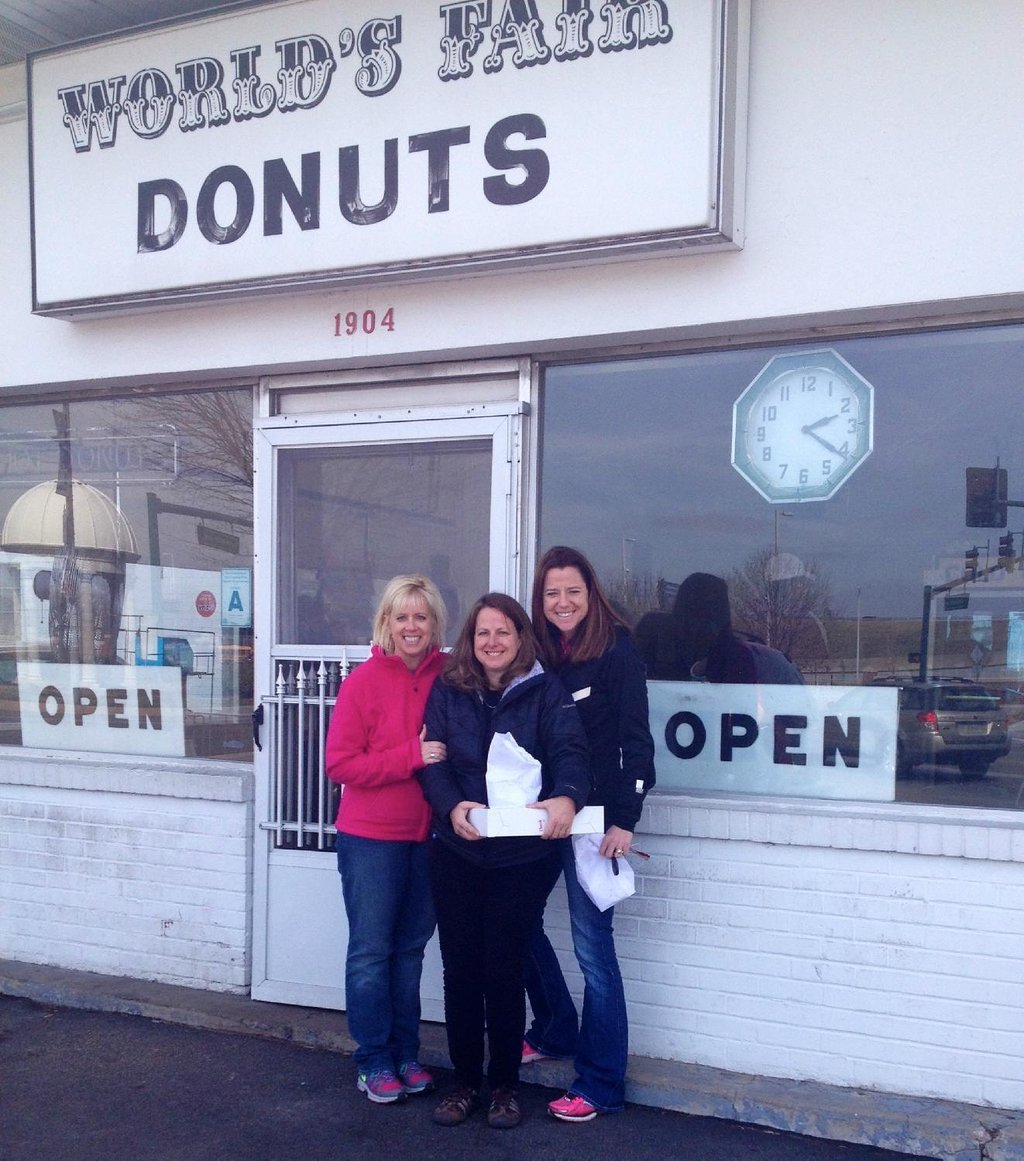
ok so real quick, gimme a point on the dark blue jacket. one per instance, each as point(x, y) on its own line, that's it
point(615, 719)
point(539, 714)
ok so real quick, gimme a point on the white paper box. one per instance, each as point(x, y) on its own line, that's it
point(503, 821)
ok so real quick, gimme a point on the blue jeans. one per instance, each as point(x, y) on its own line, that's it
point(386, 887)
point(601, 1044)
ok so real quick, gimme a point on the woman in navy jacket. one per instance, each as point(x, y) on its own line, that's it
point(588, 645)
point(489, 893)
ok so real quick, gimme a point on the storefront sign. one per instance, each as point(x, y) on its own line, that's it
point(102, 708)
point(96, 456)
point(796, 740)
point(297, 144)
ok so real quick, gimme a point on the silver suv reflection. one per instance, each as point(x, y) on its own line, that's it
point(948, 721)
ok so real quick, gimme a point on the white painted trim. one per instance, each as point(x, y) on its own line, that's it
point(897, 828)
point(128, 774)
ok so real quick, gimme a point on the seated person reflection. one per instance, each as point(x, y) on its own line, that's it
point(340, 609)
point(696, 641)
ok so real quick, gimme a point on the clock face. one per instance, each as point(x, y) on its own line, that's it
point(802, 427)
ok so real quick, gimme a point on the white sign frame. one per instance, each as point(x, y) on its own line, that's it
point(218, 156)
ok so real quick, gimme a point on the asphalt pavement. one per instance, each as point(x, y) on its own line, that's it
point(82, 1085)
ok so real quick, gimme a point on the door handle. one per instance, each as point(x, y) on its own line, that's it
point(257, 721)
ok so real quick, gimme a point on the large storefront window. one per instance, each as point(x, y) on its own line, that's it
point(827, 485)
point(126, 575)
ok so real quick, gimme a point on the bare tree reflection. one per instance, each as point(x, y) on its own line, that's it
point(784, 601)
point(216, 449)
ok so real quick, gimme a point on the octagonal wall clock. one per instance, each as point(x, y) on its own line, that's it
point(803, 427)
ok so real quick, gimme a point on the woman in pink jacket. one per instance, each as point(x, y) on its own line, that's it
point(375, 746)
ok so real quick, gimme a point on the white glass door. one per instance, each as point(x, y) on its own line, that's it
point(341, 508)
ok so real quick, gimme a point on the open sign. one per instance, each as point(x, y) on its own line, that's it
point(805, 741)
point(102, 708)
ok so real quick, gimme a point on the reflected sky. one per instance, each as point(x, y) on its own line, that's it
point(636, 467)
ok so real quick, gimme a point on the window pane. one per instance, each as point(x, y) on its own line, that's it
point(353, 517)
point(637, 470)
point(126, 574)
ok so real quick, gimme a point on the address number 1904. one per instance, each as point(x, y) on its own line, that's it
point(365, 322)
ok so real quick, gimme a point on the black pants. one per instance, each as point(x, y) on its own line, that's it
point(485, 918)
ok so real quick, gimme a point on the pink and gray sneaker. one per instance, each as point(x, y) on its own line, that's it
point(572, 1108)
point(414, 1077)
point(381, 1086)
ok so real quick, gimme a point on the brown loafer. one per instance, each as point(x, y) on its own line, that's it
point(504, 1112)
point(456, 1106)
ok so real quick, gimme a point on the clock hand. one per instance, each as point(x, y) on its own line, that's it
point(824, 442)
point(819, 423)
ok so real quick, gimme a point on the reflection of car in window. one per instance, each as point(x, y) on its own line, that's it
point(948, 721)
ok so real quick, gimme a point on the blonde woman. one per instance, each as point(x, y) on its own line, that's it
point(376, 744)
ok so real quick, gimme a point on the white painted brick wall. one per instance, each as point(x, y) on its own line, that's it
point(142, 872)
point(868, 945)
point(832, 951)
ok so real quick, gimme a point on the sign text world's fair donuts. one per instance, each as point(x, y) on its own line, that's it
point(310, 143)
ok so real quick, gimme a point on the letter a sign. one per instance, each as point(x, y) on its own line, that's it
point(236, 598)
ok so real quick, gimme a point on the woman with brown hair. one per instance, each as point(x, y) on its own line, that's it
point(489, 893)
point(583, 639)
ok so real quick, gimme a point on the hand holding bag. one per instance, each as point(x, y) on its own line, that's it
point(606, 881)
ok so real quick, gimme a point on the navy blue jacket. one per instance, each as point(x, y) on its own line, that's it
point(539, 714)
point(611, 694)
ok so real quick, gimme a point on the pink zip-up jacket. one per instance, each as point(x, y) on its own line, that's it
point(373, 747)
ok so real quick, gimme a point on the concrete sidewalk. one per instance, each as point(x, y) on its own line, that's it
point(928, 1128)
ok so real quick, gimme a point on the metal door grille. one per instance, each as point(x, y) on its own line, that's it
point(302, 801)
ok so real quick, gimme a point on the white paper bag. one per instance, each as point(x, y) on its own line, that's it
point(513, 774)
point(597, 874)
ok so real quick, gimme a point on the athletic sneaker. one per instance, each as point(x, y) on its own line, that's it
point(572, 1108)
point(382, 1087)
point(530, 1054)
point(414, 1077)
